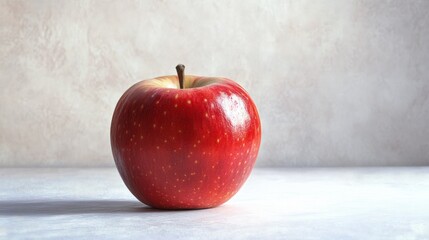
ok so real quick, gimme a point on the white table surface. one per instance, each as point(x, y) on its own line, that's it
point(336, 203)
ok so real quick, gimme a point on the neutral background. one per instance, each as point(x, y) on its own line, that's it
point(337, 83)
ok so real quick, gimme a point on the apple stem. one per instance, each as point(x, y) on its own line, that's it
point(181, 74)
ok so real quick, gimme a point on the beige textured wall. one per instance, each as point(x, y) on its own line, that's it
point(336, 82)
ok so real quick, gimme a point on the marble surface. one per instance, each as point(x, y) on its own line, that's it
point(336, 203)
point(337, 83)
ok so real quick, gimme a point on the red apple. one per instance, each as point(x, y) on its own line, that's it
point(185, 142)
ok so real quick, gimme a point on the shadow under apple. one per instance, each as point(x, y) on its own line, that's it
point(69, 207)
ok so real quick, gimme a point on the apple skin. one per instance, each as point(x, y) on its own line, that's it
point(185, 148)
